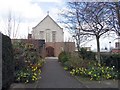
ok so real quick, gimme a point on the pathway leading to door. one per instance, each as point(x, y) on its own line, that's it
point(54, 76)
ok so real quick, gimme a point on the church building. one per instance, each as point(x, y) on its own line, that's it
point(53, 34)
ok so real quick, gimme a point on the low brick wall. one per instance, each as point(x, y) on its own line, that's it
point(38, 43)
point(61, 46)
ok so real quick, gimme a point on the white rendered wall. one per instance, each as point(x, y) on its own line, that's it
point(46, 24)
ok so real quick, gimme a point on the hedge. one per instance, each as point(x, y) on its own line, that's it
point(111, 60)
point(88, 55)
point(7, 62)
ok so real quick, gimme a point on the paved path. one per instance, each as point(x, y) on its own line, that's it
point(54, 76)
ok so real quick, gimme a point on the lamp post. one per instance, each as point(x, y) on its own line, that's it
point(109, 46)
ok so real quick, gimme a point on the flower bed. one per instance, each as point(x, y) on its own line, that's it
point(87, 68)
point(96, 72)
point(27, 63)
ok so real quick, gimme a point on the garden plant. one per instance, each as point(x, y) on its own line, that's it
point(28, 63)
point(79, 66)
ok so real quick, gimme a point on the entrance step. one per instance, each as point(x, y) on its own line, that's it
point(51, 57)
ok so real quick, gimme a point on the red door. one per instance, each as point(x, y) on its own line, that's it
point(50, 51)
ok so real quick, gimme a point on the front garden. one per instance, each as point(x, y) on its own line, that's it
point(28, 62)
point(87, 67)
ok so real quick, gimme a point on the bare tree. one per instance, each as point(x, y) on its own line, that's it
point(114, 21)
point(70, 22)
point(88, 19)
point(95, 17)
point(12, 25)
point(9, 24)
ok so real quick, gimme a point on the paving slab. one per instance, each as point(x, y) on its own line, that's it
point(51, 58)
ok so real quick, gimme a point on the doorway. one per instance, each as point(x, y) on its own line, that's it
point(49, 51)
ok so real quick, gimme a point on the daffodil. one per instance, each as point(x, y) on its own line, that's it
point(89, 73)
point(35, 74)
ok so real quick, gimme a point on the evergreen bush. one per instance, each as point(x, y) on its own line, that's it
point(111, 60)
point(7, 62)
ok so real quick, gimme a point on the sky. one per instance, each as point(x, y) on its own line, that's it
point(28, 13)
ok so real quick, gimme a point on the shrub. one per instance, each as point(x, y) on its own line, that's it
point(63, 57)
point(27, 62)
point(111, 60)
point(7, 62)
point(72, 60)
point(68, 65)
point(88, 55)
point(76, 61)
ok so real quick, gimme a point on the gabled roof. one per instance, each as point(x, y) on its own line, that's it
point(44, 19)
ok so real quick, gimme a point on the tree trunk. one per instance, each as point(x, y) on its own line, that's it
point(98, 49)
point(78, 48)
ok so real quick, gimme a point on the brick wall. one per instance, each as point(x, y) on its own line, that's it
point(39, 44)
point(60, 46)
point(115, 50)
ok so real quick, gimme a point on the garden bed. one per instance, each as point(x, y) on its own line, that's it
point(87, 68)
point(28, 63)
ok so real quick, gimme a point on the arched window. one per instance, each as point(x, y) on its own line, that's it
point(53, 36)
point(48, 35)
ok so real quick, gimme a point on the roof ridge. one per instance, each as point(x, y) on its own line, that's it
point(44, 19)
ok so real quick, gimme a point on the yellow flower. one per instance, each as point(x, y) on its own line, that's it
point(89, 73)
point(18, 78)
point(95, 75)
point(91, 78)
point(27, 81)
point(99, 64)
point(35, 74)
point(73, 70)
point(34, 69)
point(33, 77)
point(102, 71)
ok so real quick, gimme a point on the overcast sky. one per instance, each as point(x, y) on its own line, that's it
point(31, 12)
